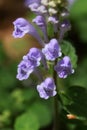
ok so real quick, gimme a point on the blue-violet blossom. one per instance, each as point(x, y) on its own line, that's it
point(47, 88)
point(22, 27)
point(23, 70)
point(29, 2)
point(64, 67)
point(34, 7)
point(52, 50)
point(37, 7)
point(29, 63)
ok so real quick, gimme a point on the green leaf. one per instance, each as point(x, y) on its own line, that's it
point(27, 121)
point(69, 50)
point(80, 76)
point(43, 113)
point(23, 94)
point(22, 98)
point(78, 102)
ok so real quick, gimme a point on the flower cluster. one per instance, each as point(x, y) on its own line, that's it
point(46, 14)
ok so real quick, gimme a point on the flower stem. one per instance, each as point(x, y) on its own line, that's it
point(56, 113)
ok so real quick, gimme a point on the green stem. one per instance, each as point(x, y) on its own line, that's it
point(56, 120)
point(56, 113)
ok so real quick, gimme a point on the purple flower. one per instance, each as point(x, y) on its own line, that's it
point(23, 70)
point(22, 26)
point(64, 67)
point(29, 2)
point(53, 20)
point(35, 54)
point(42, 10)
point(38, 9)
point(33, 57)
point(29, 63)
point(34, 7)
point(52, 50)
point(40, 21)
point(47, 88)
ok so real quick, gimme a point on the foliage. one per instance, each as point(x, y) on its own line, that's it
point(27, 121)
point(69, 50)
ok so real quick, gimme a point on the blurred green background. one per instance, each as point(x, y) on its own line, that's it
point(20, 106)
